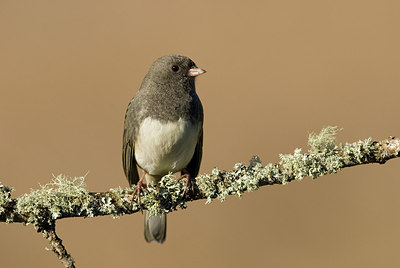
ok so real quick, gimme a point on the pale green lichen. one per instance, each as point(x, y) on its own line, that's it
point(322, 158)
point(357, 152)
point(60, 197)
point(5, 197)
point(324, 141)
point(117, 201)
point(391, 147)
point(165, 197)
point(220, 184)
point(6, 201)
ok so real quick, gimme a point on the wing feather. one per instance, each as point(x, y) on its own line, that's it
point(193, 167)
point(128, 148)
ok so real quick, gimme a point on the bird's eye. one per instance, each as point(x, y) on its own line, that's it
point(175, 68)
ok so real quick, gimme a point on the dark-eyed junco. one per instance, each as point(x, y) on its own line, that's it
point(163, 130)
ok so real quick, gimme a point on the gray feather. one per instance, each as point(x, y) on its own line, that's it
point(194, 165)
point(128, 149)
point(155, 227)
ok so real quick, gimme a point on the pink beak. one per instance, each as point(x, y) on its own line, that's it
point(196, 71)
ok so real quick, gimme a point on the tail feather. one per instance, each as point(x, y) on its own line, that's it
point(155, 227)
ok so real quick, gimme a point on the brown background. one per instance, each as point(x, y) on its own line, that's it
point(277, 70)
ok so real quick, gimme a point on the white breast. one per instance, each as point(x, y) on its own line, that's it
point(165, 147)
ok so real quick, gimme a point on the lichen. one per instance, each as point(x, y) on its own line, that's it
point(167, 196)
point(117, 201)
point(60, 197)
point(5, 201)
point(322, 159)
point(390, 148)
point(324, 141)
point(219, 184)
point(357, 152)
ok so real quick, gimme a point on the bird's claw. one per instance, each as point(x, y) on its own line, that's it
point(136, 193)
point(188, 190)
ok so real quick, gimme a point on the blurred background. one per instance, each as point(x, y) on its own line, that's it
point(277, 70)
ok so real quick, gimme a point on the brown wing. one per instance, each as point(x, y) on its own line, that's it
point(128, 149)
point(194, 165)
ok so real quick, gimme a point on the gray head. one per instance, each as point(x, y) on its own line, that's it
point(174, 69)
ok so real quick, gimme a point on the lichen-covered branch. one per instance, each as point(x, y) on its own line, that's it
point(63, 197)
point(57, 247)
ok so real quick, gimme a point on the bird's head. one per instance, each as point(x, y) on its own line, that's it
point(174, 69)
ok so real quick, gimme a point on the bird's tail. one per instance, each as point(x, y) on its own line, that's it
point(155, 227)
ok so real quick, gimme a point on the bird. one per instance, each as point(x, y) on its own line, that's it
point(163, 131)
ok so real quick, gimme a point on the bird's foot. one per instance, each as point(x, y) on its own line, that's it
point(189, 190)
point(139, 188)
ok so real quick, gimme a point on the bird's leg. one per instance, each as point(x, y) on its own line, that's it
point(189, 186)
point(139, 188)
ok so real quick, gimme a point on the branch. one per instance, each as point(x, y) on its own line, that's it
point(58, 248)
point(64, 198)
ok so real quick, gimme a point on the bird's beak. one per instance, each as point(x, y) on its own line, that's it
point(196, 71)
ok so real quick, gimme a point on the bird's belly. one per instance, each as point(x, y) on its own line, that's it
point(162, 147)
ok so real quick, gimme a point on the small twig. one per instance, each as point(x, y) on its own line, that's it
point(58, 248)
